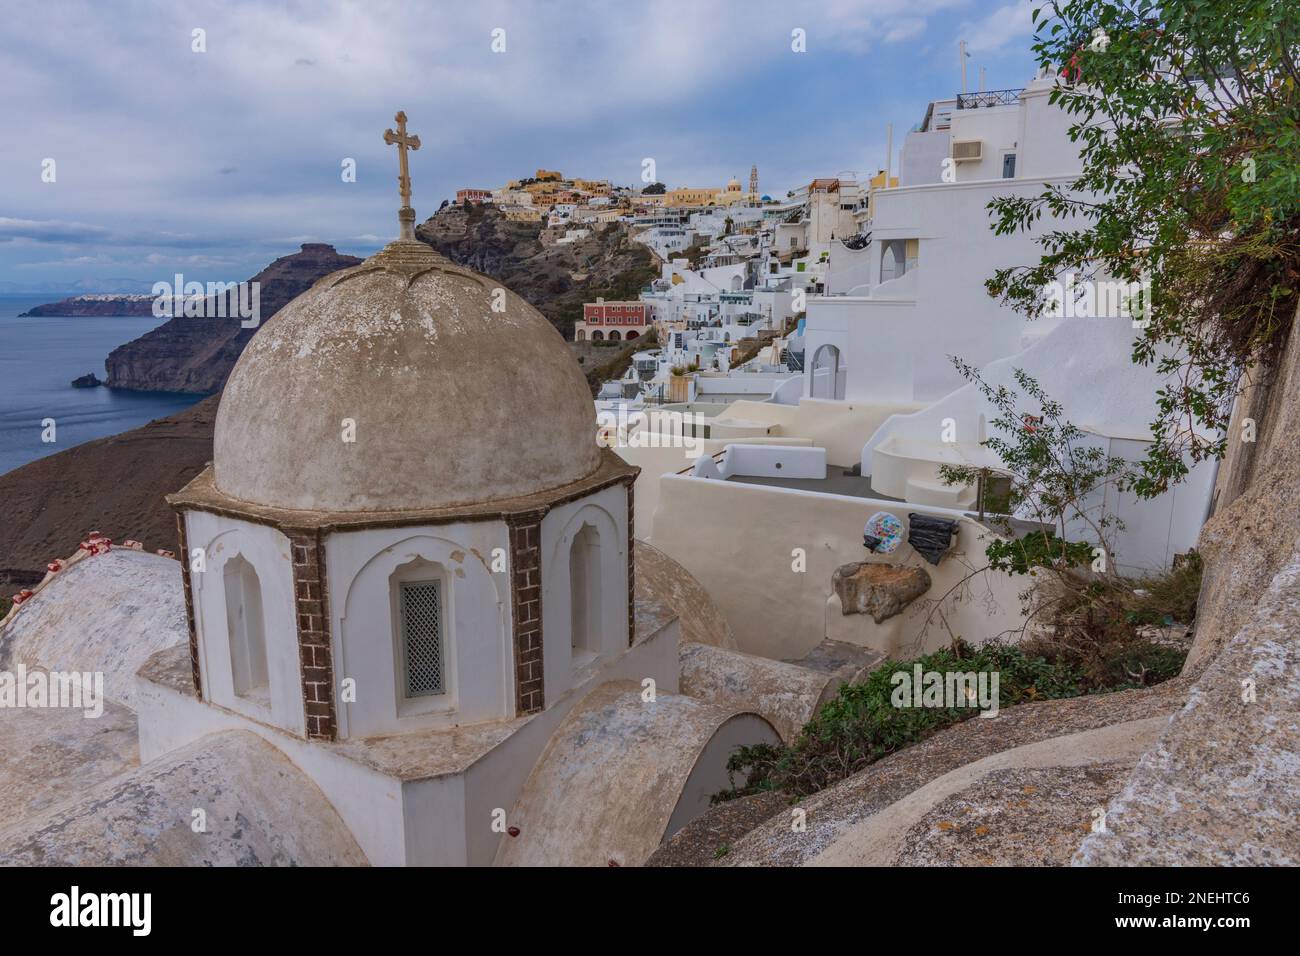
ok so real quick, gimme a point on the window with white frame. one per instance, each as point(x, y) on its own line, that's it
point(420, 623)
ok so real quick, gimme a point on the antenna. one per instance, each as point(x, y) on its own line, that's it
point(963, 56)
point(889, 152)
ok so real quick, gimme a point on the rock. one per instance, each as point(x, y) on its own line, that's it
point(89, 380)
point(881, 590)
point(195, 355)
point(555, 280)
point(1255, 520)
point(97, 305)
point(1221, 786)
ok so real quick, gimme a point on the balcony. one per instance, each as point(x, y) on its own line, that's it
point(971, 101)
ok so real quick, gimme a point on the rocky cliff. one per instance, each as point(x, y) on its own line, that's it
point(106, 305)
point(555, 279)
point(196, 354)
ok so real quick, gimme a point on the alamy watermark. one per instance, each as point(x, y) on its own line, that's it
point(946, 689)
point(216, 300)
point(38, 689)
point(1072, 297)
point(652, 429)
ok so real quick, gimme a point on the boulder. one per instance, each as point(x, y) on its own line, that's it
point(881, 590)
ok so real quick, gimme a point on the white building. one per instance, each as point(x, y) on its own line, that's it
point(408, 598)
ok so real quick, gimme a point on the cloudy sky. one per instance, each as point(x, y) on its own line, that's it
point(213, 163)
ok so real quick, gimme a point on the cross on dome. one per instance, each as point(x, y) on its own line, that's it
point(403, 142)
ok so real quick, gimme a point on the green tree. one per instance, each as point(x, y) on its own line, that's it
point(1057, 479)
point(1188, 115)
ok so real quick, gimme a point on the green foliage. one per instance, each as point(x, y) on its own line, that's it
point(860, 725)
point(1188, 115)
point(1037, 549)
point(1055, 474)
point(5, 605)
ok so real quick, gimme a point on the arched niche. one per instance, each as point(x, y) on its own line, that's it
point(370, 641)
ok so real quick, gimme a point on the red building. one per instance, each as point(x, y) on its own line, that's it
point(473, 195)
point(611, 321)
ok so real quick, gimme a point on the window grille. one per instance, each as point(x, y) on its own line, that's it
point(421, 620)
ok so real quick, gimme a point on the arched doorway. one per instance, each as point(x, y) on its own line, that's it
point(826, 373)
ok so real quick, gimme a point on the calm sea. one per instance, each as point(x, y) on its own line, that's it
point(39, 358)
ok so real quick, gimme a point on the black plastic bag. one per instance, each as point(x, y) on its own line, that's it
point(930, 537)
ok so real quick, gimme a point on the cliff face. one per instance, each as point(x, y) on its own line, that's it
point(1255, 525)
point(114, 305)
point(196, 354)
point(556, 280)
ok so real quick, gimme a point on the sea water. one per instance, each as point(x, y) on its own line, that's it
point(39, 358)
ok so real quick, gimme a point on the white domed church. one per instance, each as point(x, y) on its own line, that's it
point(406, 496)
point(408, 597)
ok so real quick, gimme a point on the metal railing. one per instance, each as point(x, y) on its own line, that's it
point(970, 101)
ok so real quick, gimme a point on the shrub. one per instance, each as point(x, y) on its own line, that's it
point(860, 725)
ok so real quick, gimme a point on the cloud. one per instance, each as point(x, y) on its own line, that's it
point(49, 231)
point(994, 32)
point(175, 152)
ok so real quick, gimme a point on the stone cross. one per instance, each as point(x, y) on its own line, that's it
point(406, 216)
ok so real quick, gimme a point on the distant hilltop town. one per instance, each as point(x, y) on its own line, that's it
point(551, 196)
point(734, 267)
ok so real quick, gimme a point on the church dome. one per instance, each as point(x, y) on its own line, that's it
point(447, 401)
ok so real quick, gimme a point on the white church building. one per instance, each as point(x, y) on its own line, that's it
point(409, 626)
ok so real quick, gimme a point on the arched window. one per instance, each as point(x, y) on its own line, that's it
point(584, 593)
point(245, 630)
point(826, 373)
point(614, 336)
point(633, 335)
point(597, 335)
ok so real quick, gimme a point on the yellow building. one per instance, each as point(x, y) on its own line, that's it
point(686, 196)
point(874, 183)
point(549, 175)
point(733, 194)
point(730, 194)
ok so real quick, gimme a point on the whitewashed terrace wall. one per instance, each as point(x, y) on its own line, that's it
point(738, 541)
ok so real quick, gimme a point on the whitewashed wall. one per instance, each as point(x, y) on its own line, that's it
point(267, 550)
point(478, 657)
point(606, 511)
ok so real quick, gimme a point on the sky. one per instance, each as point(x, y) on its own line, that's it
point(212, 163)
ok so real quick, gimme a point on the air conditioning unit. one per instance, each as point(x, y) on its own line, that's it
point(967, 150)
